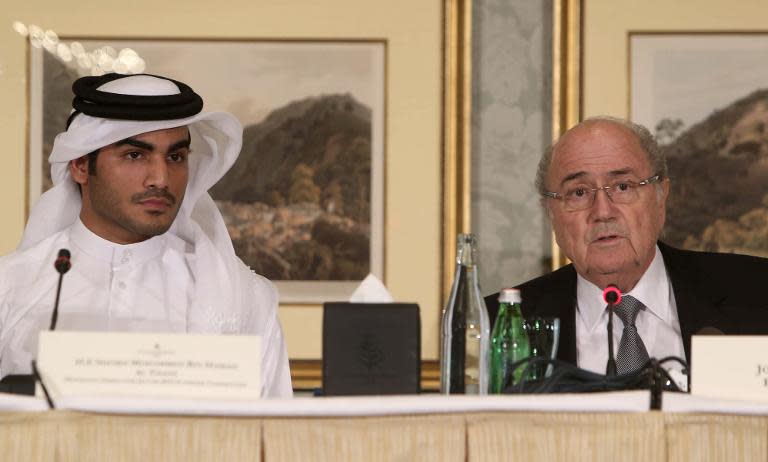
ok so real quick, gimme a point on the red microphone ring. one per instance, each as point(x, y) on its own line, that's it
point(615, 290)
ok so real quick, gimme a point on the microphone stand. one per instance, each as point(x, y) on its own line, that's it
point(612, 296)
point(55, 313)
point(610, 367)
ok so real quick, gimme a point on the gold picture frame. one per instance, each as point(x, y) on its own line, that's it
point(566, 80)
point(456, 142)
point(428, 71)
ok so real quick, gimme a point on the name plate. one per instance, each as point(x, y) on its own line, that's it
point(730, 367)
point(150, 365)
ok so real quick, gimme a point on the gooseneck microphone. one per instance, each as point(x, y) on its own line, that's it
point(612, 296)
point(24, 384)
point(62, 265)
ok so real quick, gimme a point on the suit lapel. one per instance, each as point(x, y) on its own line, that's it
point(697, 305)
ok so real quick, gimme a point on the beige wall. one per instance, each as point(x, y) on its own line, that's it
point(413, 31)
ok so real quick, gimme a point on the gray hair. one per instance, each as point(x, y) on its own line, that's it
point(656, 157)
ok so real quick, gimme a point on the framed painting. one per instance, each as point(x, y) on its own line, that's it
point(616, 58)
point(424, 101)
point(304, 203)
point(712, 123)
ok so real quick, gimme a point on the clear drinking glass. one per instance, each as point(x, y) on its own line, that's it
point(544, 336)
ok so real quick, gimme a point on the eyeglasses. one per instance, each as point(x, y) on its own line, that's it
point(581, 197)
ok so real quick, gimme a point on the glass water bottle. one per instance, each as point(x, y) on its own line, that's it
point(465, 333)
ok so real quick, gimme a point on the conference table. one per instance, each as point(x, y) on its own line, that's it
point(592, 427)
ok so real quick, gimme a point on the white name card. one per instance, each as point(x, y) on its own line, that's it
point(730, 367)
point(150, 365)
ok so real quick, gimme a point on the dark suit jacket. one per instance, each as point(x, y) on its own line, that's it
point(723, 291)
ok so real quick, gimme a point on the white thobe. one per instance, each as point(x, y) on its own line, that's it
point(143, 287)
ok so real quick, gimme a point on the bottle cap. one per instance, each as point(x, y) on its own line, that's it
point(510, 295)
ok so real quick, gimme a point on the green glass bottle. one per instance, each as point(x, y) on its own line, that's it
point(509, 341)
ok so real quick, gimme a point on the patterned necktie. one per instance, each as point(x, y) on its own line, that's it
point(632, 354)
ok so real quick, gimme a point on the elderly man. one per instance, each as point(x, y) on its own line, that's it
point(149, 249)
point(604, 186)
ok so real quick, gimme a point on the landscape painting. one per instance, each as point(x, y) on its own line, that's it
point(304, 202)
point(705, 97)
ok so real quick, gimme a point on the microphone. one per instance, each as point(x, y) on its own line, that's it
point(612, 296)
point(62, 265)
point(24, 384)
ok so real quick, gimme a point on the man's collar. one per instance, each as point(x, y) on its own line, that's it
point(652, 290)
point(116, 255)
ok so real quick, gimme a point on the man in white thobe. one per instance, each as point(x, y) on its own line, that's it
point(150, 251)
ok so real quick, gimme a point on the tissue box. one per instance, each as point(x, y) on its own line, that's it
point(371, 348)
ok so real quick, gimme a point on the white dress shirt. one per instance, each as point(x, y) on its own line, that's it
point(658, 324)
point(143, 287)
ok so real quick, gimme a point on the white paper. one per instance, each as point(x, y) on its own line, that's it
point(150, 364)
point(729, 367)
point(371, 290)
